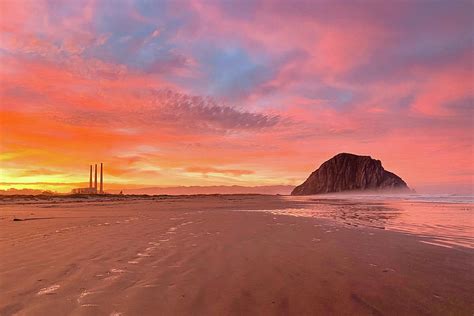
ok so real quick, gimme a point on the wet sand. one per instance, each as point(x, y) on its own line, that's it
point(201, 256)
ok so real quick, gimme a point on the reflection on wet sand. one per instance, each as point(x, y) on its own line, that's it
point(444, 224)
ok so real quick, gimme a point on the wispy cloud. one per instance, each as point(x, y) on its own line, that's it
point(207, 170)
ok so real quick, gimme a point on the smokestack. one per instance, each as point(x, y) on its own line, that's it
point(90, 178)
point(101, 179)
point(95, 182)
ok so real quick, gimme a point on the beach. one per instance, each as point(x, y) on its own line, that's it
point(222, 255)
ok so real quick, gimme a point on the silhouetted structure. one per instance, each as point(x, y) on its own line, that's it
point(101, 179)
point(92, 189)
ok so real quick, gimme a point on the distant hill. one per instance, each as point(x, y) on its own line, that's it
point(234, 189)
point(25, 192)
point(184, 190)
point(348, 172)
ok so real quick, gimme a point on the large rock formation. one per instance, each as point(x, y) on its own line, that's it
point(346, 172)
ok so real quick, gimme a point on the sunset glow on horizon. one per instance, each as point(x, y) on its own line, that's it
point(200, 93)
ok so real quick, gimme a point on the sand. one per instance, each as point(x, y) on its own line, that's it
point(201, 256)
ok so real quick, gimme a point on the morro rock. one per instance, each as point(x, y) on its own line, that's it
point(349, 172)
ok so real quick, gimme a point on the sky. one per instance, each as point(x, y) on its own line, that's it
point(185, 93)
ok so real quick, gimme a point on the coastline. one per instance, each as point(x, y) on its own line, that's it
point(199, 254)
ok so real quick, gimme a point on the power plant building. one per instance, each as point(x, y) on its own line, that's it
point(92, 189)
